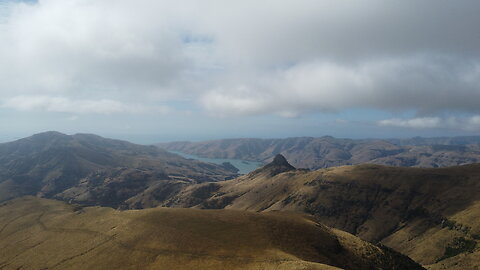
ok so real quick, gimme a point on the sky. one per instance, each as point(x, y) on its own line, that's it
point(158, 70)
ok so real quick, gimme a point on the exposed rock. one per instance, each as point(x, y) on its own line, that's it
point(278, 165)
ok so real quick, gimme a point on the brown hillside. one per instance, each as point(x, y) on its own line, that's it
point(432, 215)
point(45, 234)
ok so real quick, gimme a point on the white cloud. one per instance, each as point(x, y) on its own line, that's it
point(471, 123)
point(73, 118)
point(91, 47)
point(241, 58)
point(425, 83)
point(425, 122)
point(66, 105)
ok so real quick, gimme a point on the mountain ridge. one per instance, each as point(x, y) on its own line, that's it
point(91, 169)
point(315, 153)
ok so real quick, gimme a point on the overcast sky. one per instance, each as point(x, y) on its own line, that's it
point(155, 70)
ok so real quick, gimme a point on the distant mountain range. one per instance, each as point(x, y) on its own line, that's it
point(316, 153)
point(94, 170)
point(431, 215)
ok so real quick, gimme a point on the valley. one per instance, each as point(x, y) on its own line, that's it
point(243, 166)
point(327, 151)
point(429, 214)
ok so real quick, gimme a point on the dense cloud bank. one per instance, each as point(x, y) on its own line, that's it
point(243, 57)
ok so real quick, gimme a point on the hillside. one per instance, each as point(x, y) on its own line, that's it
point(94, 170)
point(45, 234)
point(316, 153)
point(430, 215)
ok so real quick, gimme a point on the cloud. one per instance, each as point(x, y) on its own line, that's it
point(426, 122)
point(242, 58)
point(73, 118)
point(66, 105)
point(89, 47)
point(428, 84)
point(471, 123)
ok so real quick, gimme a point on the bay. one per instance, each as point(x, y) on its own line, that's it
point(244, 166)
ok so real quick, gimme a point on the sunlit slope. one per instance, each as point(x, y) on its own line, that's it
point(432, 215)
point(45, 234)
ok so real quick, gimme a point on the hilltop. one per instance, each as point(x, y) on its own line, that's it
point(94, 170)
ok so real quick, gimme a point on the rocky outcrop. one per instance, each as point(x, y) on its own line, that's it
point(278, 165)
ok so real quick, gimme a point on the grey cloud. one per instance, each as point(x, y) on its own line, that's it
point(295, 31)
point(247, 57)
point(93, 48)
point(422, 83)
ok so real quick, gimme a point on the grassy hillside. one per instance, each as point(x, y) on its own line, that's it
point(432, 215)
point(45, 234)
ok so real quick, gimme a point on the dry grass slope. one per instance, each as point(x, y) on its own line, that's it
point(432, 215)
point(45, 234)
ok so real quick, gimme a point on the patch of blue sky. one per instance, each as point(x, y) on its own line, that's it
point(18, 1)
point(6, 7)
point(189, 37)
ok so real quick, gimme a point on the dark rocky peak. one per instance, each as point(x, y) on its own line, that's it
point(280, 160)
point(277, 166)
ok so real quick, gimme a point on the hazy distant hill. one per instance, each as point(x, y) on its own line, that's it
point(45, 234)
point(315, 153)
point(432, 215)
point(91, 169)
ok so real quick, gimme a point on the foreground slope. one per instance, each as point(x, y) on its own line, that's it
point(315, 153)
point(90, 169)
point(45, 234)
point(432, 215)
